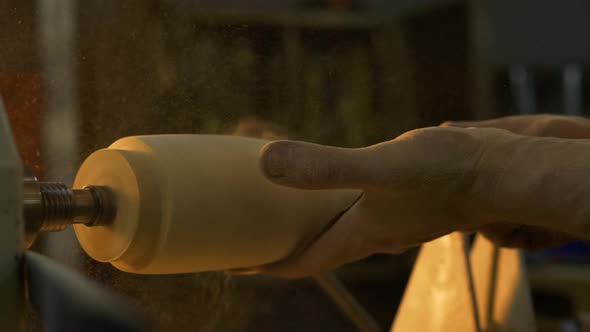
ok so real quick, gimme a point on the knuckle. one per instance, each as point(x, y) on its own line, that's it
point(557, 126)
point(448, 124)
point(545, 126)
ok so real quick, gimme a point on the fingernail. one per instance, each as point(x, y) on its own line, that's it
point(275, 162)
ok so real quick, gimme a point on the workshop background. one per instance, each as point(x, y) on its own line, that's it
point(77, 75)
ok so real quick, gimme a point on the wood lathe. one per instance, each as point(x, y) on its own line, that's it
point(189, 203)
point(182, 203)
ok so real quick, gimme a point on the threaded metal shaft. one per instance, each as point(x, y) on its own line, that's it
point(52, 207)
point(57, 208)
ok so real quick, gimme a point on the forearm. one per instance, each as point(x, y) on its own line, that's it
point(539, 181)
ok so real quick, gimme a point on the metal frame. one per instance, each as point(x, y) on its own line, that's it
point(458, 287)
point(11, 177)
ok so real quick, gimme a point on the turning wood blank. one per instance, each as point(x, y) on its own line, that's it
point(189, 203)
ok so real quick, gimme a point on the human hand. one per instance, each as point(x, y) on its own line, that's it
point(433, 181)
point(422, 185)
point(542, 125)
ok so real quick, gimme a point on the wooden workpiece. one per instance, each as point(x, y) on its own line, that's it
point(189, 203)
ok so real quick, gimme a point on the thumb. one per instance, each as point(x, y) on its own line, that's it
point(313, 166)
point(342, 243)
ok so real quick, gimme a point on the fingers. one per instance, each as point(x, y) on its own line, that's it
point(313, 166)
point(344, 242)
point(548, 125)
point(515, 123)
